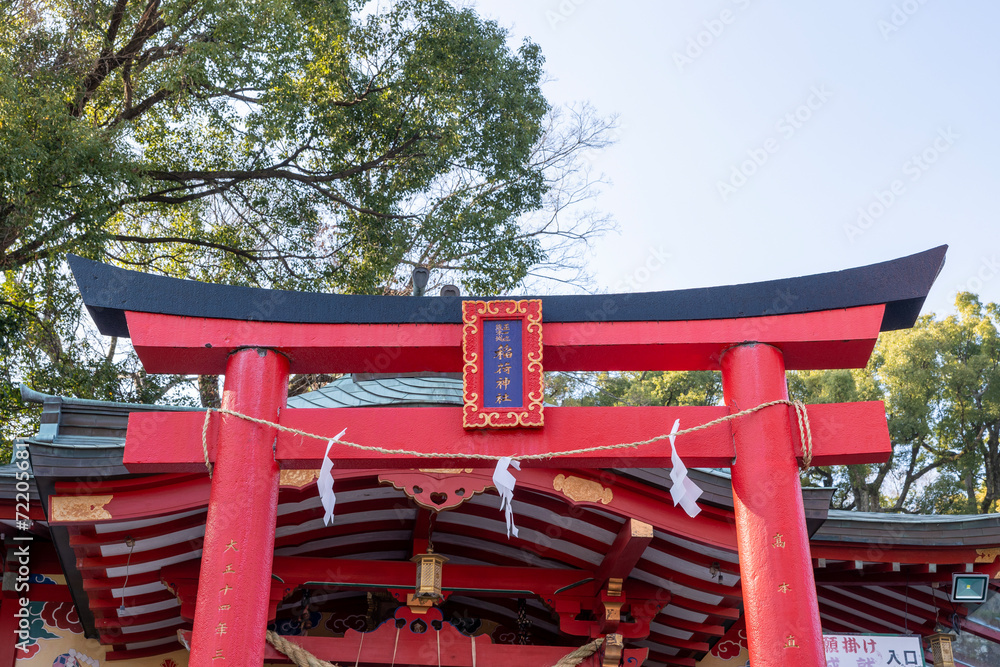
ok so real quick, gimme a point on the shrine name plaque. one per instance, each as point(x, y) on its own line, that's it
point(502, 363)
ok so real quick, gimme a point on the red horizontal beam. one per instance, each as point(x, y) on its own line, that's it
point(171, 442)
point(826, 339)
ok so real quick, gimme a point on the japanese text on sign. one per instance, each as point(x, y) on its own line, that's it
point(873, 651)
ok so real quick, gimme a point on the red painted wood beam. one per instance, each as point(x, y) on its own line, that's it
point(144, 503)
point(731, 595)
point(672, 660)
point(721, 612)
point(91, 583)
point(879, 614)
point(867, 624)
point(833, 627)
point(842, 434)
point(137, 654)
point(883, 600)
point(89, 486)
point(819, 340)
point(116, 636)
point(677, 642)
point(706, 629)
point(625, 551)
point(9, 511)
point(298, 571)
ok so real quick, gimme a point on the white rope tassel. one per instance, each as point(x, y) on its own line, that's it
point(474, 646)
point(357, 661)
point(504, 480)
point(684, 492)
point(325, 482)
point(395, 647)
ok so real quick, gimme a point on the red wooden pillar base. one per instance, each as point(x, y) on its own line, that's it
point(235, 581)
point(779, 592)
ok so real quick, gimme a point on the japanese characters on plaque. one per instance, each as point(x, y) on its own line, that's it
point(502, 363)
point(873, 651)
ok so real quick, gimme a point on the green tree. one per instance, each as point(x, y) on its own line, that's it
point(281, 143)
point(633, 388)
point(940, 382)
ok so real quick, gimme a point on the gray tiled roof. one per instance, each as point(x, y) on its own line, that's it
point(356, 391)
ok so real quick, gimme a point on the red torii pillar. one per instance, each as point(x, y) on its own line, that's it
point(230, 619)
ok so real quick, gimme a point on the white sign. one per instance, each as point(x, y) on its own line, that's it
point(873, 651)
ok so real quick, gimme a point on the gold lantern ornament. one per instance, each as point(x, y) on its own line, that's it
point(428, 589)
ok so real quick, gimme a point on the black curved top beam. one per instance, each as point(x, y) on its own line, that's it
point(902, 284)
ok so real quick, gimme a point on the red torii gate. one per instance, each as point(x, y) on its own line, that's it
point(752, 333)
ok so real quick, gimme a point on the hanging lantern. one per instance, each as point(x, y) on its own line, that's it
point(429, 567)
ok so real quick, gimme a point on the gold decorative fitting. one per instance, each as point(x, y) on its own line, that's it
point(613, 647)
point(419, 605)
point(298, 478)
point(614, 587)
point(74, 509)
point(987, 555)
point(582, 490)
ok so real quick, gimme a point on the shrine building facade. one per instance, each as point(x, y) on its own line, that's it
point(164, 536)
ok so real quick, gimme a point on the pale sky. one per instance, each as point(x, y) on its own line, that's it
point(753, 131)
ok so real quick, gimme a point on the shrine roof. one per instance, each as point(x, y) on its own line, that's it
point(922, 530)
point(79, 451)
point(902, 284)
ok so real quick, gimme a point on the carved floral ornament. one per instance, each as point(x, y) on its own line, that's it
point(439, 489)
point(80, 508)
point(581, 490)
point(987, 555)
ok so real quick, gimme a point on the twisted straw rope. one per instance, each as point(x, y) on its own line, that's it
point(800, 411)
point(579, 655)
point(296, 653)
point(304, 658)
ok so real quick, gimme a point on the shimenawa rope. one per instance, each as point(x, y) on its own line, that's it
point(800, 411)
point(296, 653)
point(579, 655)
